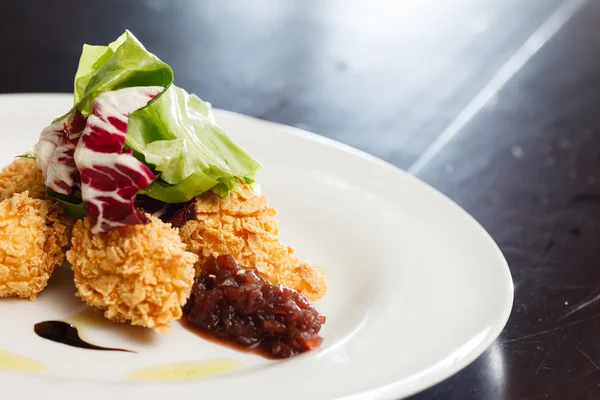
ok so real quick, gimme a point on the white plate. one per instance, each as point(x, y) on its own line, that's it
point(417, 289)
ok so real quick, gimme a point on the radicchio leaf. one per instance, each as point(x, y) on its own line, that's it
point(111, 178)
point(54, 153)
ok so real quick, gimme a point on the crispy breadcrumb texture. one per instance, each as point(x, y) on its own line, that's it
point(30, 245)
point(21, 175)
point(136, 273)
point(59, 216)
point(244, 226)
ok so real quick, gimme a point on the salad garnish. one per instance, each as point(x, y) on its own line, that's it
point(133, 131)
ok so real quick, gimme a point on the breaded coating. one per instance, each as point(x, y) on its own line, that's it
point(58, 215)
point(30, 245)
point(136, 273)
point(244, 226)
point(21, 175)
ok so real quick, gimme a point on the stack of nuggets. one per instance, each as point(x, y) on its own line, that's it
point(140, 274)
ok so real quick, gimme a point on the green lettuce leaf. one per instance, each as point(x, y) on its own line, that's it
point(73, 204)
point(30, 156)
point(177, 135)
point(123, 63)
point(185, 190)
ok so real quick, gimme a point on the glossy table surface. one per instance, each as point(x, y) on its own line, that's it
point(493, 102)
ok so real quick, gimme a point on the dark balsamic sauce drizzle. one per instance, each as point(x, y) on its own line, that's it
point(62, 332)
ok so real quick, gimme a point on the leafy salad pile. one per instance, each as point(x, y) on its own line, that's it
point(133, 131)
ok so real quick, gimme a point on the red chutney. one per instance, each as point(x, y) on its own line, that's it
point(235, 305)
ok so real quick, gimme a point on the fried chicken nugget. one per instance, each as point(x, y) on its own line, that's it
point(31, 244)
point(21, 175)
point(136, 273)
point(244, 226)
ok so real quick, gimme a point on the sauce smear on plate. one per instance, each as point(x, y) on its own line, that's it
point(62, 332)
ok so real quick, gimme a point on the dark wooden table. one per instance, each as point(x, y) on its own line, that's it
point(494, 102)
